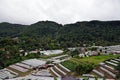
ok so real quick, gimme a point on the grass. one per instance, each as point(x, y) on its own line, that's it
point(97, 59)
point(69, 64)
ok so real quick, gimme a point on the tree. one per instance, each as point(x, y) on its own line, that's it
point(84, 68)
point(118, 69)
point(55, 78)
point(73, 53)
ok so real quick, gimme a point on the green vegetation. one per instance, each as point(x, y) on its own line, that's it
point(70, 65)
point(55, 78)
point(50, 35)
point(78, 67)
point(118, 69)
point(6, 59)
point(97, 59)
point(73, 53)
point(86, 64)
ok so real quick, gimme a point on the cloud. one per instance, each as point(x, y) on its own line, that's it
point(62, 11)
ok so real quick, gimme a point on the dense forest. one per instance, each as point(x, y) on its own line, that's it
point(51, 33)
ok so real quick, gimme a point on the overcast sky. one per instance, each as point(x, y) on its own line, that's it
point(61, 11)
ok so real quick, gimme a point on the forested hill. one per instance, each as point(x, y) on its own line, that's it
point(93, 31)
point(11, 30)
point(42, 29)
point(99, 32)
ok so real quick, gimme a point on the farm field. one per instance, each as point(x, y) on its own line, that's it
point(86, 64)
point(97, 59)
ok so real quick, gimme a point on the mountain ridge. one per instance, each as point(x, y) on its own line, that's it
point(79, 32)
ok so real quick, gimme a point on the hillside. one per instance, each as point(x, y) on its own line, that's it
point(94, 31)
point(11, 30)
point(48, 35)
point(99, 32)
point(42, 29)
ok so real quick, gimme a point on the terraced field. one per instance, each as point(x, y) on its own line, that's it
point(92, 62)
point(97, 59)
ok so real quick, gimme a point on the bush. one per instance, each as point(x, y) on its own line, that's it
point(78, 66)
point(118, 69)
point(84, 68)
point(70, 65)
